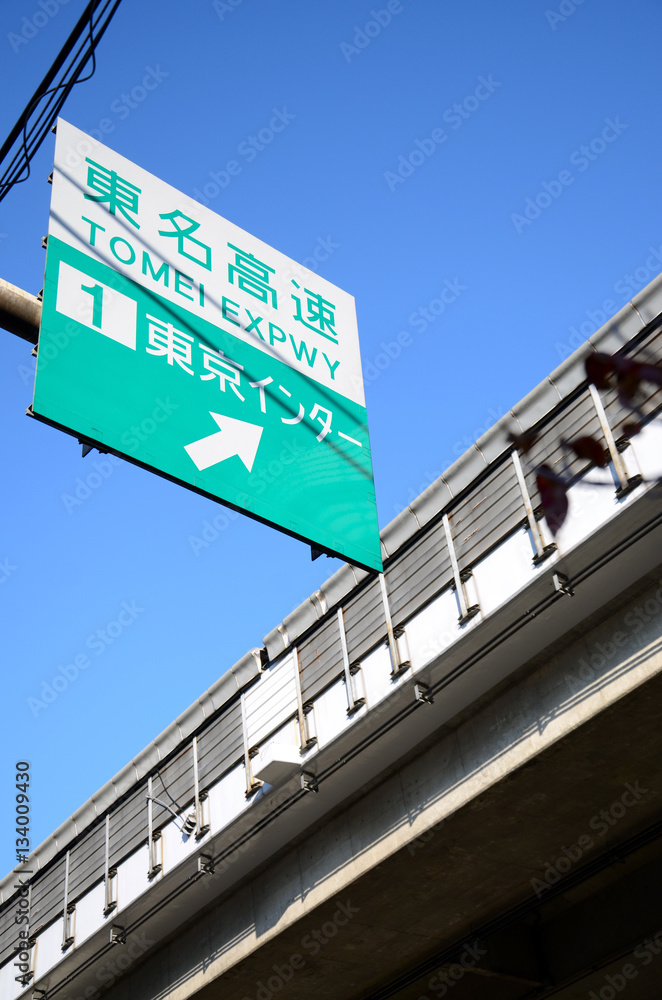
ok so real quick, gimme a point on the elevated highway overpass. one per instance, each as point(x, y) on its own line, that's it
point(442, 779)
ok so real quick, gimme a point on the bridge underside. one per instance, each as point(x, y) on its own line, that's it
point(544, 882)
point(547, 883)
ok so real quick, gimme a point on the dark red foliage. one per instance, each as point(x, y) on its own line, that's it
point(524, 441)
point(587, 447)
point(603, 369)
point(598, 369)
point(553, 496)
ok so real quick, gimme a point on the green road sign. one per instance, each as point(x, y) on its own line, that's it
point(179, 341)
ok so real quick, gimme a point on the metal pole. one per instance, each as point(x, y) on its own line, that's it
point(20, 312)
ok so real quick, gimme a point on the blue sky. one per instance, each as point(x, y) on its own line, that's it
point(419, 135)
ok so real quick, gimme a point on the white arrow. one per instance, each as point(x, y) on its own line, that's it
point(236, 437)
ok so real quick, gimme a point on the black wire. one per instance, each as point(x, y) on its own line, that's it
point(51, 75)
point(167, 790)
point(33, 136)
point(67, 85)
point(59, 102)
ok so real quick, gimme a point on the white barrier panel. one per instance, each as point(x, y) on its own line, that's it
point(272, 699)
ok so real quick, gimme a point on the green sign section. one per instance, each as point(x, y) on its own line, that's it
point(127, 368)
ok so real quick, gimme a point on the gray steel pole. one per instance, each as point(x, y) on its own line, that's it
point(20, 312)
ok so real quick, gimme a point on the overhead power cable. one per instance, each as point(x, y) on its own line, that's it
point(41, 112)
